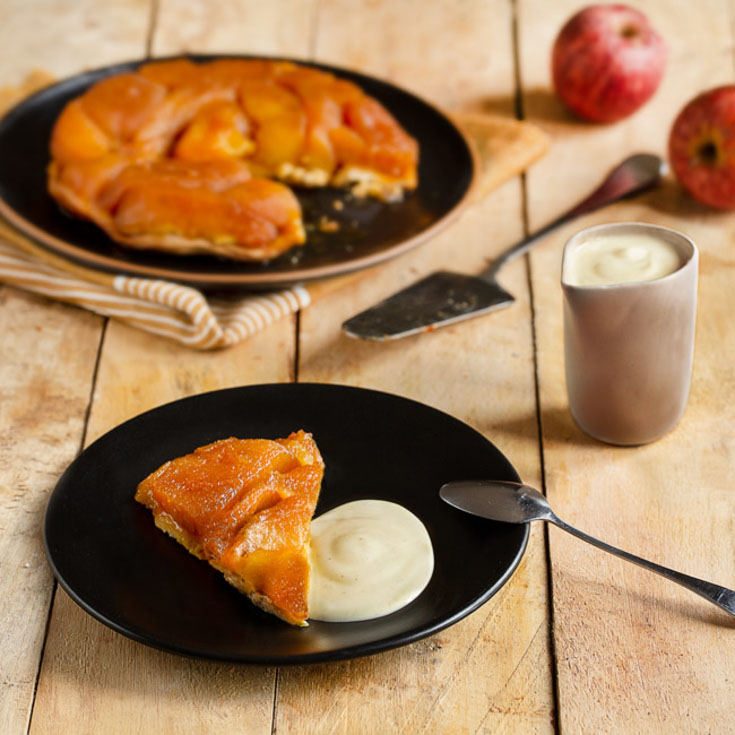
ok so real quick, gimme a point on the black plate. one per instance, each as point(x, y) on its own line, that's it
point(370, 231)
point(112, 560)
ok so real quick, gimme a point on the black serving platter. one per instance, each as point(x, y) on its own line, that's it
point(370, 231)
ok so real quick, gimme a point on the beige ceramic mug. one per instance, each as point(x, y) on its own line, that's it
point(629, 347)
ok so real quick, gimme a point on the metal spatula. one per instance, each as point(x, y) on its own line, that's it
point(446, 297)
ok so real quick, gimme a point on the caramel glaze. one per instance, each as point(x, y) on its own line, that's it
point(245, 505)
point(182, 157)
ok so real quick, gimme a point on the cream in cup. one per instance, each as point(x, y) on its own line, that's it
point(630, 293)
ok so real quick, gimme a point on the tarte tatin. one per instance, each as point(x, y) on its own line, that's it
point(197, 158)
point(245, 506)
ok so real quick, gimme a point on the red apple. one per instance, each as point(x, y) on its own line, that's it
point(607, 61)
point(702, 147)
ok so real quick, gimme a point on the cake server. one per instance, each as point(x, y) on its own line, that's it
point(513, 502)
point(446, 297)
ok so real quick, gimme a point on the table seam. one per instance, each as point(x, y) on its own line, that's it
point(520, 114)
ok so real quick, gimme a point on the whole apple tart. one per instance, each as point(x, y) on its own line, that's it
point(197, 158)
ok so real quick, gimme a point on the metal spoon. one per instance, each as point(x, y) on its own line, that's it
point(446, 297)
point(515, 503)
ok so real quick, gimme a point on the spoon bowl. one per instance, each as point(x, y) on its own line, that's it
point(510, 502)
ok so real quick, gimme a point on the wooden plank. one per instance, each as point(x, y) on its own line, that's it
point(80, 687)
point(635, 653)
point(46, 370)
point(66, 38)
point(490, 673)
point(242, 26)
point(460, 65)
point(48, 354)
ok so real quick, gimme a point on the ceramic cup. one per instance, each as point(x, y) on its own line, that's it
point(629, 347)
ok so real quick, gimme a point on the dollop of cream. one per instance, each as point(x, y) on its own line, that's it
point(369, 558)
point(620, 258)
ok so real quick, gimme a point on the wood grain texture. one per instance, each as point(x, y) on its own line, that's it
point(465, 57)
point(635, 653)
point(282, 28)
point(46, 370)
point(66, 37)
point(48, 353)
point(93, 680)
point(490, 673)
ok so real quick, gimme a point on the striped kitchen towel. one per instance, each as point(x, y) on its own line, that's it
point(161, 307)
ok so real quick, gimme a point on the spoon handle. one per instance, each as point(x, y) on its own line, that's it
point(720, 596)
point(636, 174)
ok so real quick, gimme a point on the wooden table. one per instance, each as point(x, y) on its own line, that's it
point(577, 641)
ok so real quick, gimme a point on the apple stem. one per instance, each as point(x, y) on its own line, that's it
point(707, 154)
point(629, 32)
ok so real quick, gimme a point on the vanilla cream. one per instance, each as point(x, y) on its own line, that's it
point(369, 558)
point(608, 259)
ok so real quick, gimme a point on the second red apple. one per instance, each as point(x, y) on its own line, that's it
point(702, 147)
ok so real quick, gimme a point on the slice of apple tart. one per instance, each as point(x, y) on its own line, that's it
point(245, 506)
